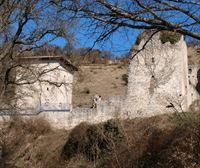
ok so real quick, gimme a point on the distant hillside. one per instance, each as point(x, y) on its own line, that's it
point(104, 80)
point(109, 80)
point(194, 54)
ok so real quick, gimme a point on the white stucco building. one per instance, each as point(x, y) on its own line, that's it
point(44, 83)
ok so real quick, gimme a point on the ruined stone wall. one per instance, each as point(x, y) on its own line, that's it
point(158, 79)
point(157, 83)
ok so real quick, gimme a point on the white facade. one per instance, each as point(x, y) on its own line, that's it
point(43, 85)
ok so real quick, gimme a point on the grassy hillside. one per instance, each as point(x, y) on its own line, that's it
point(194, 54)
point(109, 80)
point(165, 141)
point(104, 80)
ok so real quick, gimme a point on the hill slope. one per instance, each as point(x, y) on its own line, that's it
point(157, 142)
point(194, 54)
point(104, 80)
point(109, 80)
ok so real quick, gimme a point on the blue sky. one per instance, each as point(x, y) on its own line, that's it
point(119, 43)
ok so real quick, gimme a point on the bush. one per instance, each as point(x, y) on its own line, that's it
point(125, 79)
point(165, 36)
point(36, 126)
point(111, 128)
point(90, 142)
point(168, 36)
point(93, 141)
point(76, 136)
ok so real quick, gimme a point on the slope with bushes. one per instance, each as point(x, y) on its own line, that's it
point(158, 142)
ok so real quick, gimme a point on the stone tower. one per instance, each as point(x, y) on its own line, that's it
point(158, 78)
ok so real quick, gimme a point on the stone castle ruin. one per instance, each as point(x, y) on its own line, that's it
point(159, 81)
point(158, 78)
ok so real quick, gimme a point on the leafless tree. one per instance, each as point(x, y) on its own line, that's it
point(24, 26)
point(108, 16)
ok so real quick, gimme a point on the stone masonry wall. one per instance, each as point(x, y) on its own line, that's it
point(157, 83)
point(158, 79)
point(68, 119)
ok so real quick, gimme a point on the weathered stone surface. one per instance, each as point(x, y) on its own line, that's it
point(158, 77)
point(158, 82)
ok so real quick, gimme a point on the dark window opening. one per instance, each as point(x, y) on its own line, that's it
point(198, 79)
point(198, 75)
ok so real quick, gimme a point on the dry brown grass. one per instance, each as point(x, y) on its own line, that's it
point(193, 54)
point(31, 143)
point(158, 142)
point(103, 80)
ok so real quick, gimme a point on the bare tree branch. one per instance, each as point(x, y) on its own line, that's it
point(24, 26)
point(173, 15)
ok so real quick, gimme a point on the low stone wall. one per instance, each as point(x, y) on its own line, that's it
point(112, 108)
point(68, 119)
point(105, 110)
